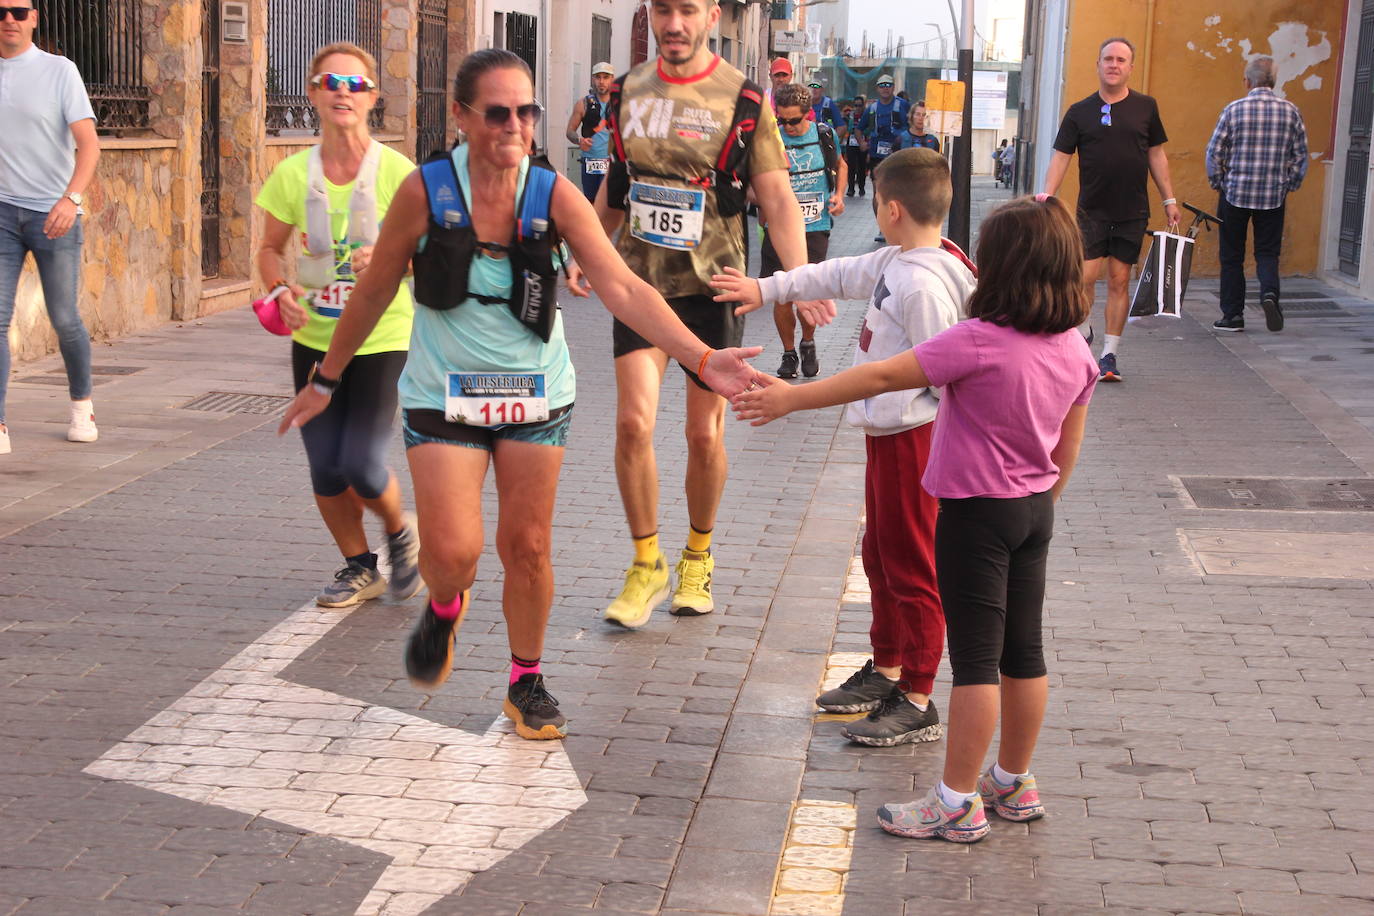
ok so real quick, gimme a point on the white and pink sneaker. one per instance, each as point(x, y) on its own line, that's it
point(82, 428)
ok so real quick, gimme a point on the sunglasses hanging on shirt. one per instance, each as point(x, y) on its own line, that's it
point(1107, 115)
point(333, 81)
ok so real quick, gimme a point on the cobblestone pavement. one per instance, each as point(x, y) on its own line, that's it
point(181, 735)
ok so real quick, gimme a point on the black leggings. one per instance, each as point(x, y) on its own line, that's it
point(990, 561)
point(346, 444)
point(857, 160)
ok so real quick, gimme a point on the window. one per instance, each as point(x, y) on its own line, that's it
point(522, 39)
point(601, 39)
point(104, 38)
point(296, 29)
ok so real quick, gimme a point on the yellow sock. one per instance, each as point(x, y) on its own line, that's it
point(698, 541)
point(646, 549)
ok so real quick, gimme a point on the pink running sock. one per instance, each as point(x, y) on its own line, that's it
point(519, 667)
point(449, 610)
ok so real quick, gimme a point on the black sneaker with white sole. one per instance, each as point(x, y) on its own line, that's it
point(863, 691)
point(896, 721)
point(810, 364)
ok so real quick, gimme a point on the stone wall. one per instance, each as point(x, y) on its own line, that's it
point(142, 258)
point(125, 284)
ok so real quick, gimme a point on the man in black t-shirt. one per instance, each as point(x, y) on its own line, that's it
point(1119, 139)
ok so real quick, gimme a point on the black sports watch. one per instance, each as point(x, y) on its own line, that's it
point(321, 382)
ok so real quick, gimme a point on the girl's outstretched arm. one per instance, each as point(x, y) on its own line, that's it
point(777, 398)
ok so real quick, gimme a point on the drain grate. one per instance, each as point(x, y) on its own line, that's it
point(1325, 494)
point(56, 380)
point(108, 370)
point(239, 402)
point(1314, 308)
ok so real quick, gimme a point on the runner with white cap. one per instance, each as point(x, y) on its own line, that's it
point(587, 129)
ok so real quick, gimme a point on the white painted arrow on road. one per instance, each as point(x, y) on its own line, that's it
point(442, 803)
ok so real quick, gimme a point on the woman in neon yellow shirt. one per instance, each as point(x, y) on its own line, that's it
point(335, 195)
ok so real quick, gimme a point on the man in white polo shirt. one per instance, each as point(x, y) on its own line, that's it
point(47, 159)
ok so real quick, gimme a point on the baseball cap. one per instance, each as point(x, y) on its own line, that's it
point(781, 65)
point(884, 80)
point(603, 67)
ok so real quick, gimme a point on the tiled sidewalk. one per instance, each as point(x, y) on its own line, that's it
point(1208, 726)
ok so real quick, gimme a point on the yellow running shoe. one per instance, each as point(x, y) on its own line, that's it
point(693, 595)
point(645, 587)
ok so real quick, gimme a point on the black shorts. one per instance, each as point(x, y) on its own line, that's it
point(817, 246)
point(1107, 239)
point(714, 322)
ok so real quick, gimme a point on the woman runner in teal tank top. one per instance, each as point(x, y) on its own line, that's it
point(471, 362)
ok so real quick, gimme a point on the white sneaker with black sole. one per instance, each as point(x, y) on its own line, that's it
point(352, 585)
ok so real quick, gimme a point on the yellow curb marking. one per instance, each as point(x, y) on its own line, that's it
point(856, 588)
point(815, 859)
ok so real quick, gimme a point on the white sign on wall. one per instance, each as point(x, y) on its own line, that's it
point(789, 40)
point(989, 98)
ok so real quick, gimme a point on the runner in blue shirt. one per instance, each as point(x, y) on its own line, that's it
point(816, 173)
point(915, 134)
point(824, 110)
point(587, 128)
point(882, 124)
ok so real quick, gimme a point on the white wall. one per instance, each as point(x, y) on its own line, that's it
point(1049, 85)
point(1334, 167)
point(565, 41)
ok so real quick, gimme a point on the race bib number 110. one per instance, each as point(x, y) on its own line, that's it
point(495, 399)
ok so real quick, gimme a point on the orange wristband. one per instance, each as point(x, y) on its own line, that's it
point(701, 366)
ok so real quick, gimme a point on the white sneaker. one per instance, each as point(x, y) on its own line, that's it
point(4, 439)
point(82, 428)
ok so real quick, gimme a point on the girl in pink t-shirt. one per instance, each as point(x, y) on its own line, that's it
point(1017, 377)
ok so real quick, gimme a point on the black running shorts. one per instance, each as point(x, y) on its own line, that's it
point(1107, 239)
point(714, 322)
point(817, 247)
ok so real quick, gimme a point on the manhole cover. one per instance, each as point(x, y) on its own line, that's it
point(107, 370)
point(238, 402)
point(1298, 554)
point(54, 379)
point(1326, 494)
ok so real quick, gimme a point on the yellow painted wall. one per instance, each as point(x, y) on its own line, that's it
point(1191, 57)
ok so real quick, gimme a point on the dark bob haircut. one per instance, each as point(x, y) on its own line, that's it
point(478, 63)
point(1030, 268)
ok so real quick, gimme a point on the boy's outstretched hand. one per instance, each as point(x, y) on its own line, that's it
point(734, 286)
point(765, 399)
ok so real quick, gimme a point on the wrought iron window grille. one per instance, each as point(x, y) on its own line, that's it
point(296, 29)
point(104, 38)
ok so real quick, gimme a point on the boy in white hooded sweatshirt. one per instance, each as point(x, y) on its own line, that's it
point(918, 287)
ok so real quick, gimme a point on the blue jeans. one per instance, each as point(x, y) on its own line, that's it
point(59, 270)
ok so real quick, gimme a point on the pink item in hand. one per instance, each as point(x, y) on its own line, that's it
point(269, 313)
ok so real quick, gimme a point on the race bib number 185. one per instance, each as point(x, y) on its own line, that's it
point(667, 217)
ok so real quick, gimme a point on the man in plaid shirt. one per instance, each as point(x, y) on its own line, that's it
point(1257, 154)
